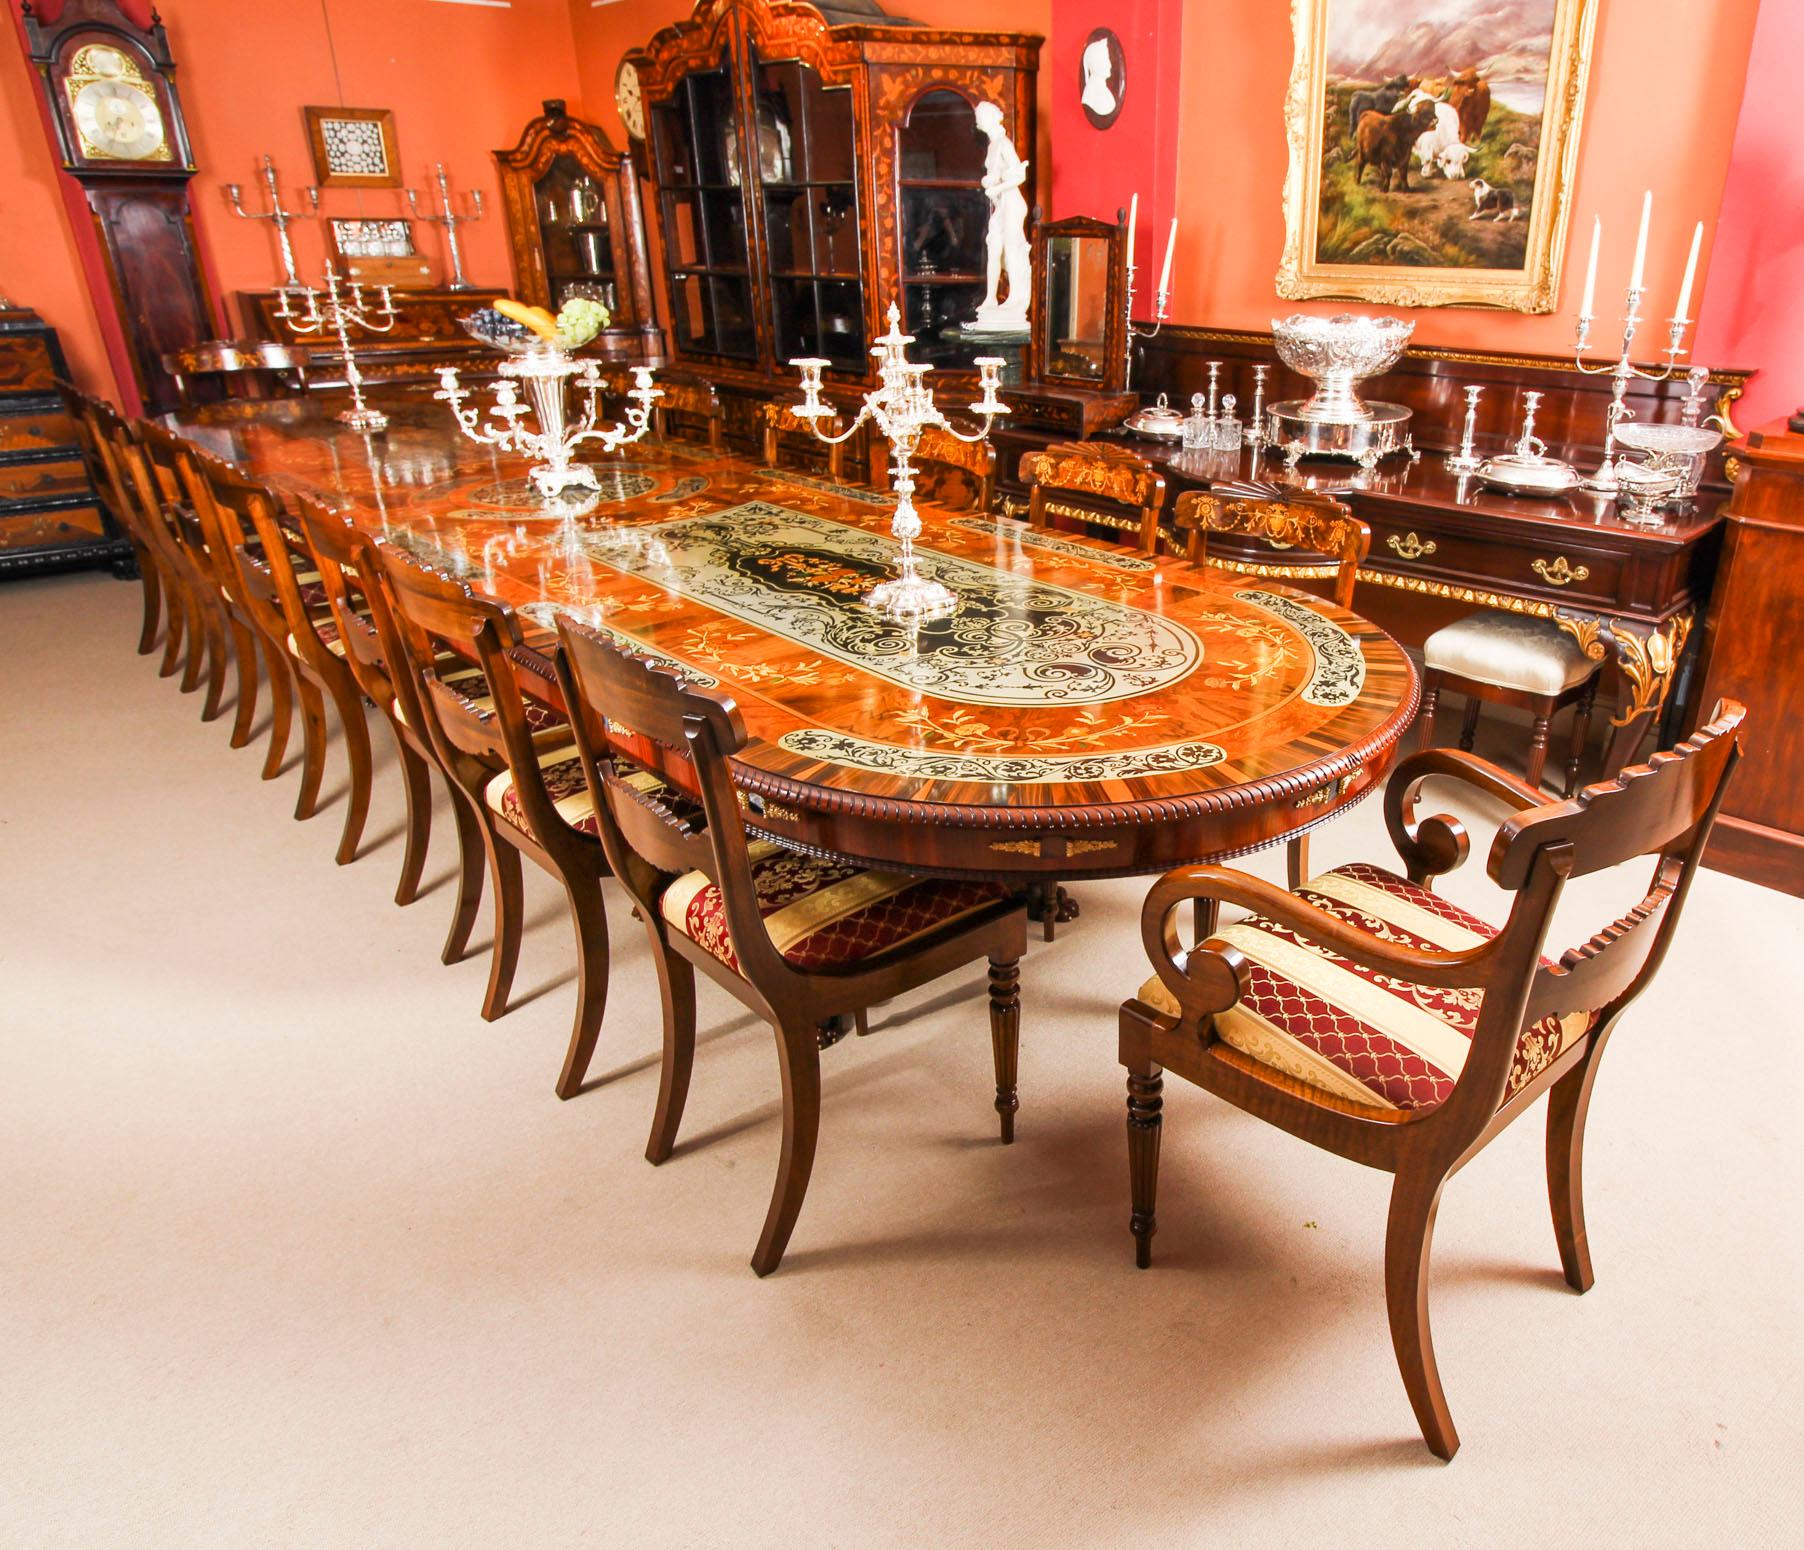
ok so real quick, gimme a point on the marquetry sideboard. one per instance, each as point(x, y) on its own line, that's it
point(425, 337)
point(1754, 651)
point(50, 516)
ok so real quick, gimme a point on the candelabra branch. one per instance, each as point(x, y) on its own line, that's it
point(1161, 301)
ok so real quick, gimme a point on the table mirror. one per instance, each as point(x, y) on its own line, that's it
point(1080, 287)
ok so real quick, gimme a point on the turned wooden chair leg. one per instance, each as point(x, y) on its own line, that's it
point(1581, 734)
point(801, 1061)
point(472, 865)
point(1408, 1235)
point(1005, 1038)
point(1537, 747)
point(244, 651)
point(1296, 861)
point(1145, 1103)
point(589, 914)
point(1568, 1102)
point(281, 709)
point(357, 749)
point(416, 785)
point(510, 922)
point(676, 985)
point(1431, 699)
point(313, 745)
point(1468, 731)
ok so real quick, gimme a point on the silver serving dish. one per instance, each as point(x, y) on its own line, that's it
point(1528, 473)
point(1641, 488)
point(1677, 449)
point(1339, 353)
point(1159, 421)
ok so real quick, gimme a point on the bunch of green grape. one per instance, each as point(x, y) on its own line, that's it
point(579, 320)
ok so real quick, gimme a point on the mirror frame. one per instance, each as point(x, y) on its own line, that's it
point(1114, 343)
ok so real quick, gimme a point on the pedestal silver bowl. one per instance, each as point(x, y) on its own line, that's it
point(1339, 353)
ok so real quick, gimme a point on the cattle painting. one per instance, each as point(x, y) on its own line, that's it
point(1410, 104)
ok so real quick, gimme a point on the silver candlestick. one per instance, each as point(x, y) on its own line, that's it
point(1467, 460)
point(1161, 300)
point(450, 218)
point(543, 370)
point(1255, 432)
point(902, 407)
point(277, 216)
point(1527, 443)
point(340, 315)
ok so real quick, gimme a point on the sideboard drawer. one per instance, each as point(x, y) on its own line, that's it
point(1558, 570)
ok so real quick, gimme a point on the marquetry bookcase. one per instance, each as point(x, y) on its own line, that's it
point(576, 227)
point(812, 166)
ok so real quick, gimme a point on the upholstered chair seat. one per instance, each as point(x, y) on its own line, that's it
point(561, 767)
point(825, 914)
point(1512, 651)
point(1361, 1036)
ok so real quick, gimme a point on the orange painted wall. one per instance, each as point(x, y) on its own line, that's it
point(1665, 90)
point(462, 79)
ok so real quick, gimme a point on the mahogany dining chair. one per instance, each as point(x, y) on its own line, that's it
point(1367, 1015)
point(1097, 485)
point(806, 943)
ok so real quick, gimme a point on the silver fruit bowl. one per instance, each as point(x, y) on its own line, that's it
point(1685, 440)
point(1339, 353)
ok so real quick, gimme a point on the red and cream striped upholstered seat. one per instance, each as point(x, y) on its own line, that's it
point(1365, 1037)
point(825, 914)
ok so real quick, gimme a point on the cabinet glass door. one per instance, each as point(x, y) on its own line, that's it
point(705, 243)
point(805, 160)
point(944, 215)
point(575, 235)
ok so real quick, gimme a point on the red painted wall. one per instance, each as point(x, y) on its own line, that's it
point(462, 79)
point(1754, 310)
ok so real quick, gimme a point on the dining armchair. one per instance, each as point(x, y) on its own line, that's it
point(808, 944)
point(959, 475)
point(1367, 1015)
point(516, 770)
point(1094, 484)
point(1297, 540)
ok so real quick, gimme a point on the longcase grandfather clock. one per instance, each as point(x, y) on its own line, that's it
point(116, 123)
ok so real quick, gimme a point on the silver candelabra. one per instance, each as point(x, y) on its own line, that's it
point(902, 407)
point(450, 218)
point(339, 316)
point(1161, 300)
point(543, 370)
point(277, 216)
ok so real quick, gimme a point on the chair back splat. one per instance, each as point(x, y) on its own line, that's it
point(1282, 523)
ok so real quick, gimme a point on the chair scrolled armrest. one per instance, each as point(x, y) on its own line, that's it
point(1212, 976)
point(1433, 846)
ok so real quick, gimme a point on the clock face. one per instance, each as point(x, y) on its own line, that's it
point(628, 100)
point(115, 111)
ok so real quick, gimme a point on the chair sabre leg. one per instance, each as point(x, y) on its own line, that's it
point(1568, 1102)
point(1145, 1104)
point(1005, 1038)
point(590, 917)
point(676, 985)
point(471, 868)
point(1414, 1200)
point(801, 1062)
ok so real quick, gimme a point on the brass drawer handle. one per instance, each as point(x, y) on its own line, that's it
point(1409, 547)
point(1559, 574)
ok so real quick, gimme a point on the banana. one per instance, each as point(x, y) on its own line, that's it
point(537, 319)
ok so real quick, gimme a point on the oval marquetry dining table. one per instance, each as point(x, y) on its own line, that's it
point(1087, 712)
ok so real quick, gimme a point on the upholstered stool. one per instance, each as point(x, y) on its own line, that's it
point(1512, 659)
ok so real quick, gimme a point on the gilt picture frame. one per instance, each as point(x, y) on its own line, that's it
point(353, 147)
point(1433, 147)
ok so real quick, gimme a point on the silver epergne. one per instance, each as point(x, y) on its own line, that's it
point(543, 370)
point(902, 407)
point(450, 218)
point(341, 314)
point(278, 217)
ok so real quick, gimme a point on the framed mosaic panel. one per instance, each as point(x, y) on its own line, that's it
point(353, 147)
point(1432, 149)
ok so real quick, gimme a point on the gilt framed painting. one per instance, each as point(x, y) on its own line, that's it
point(1432, 149)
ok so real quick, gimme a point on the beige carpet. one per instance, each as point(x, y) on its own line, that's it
point(296, 1250)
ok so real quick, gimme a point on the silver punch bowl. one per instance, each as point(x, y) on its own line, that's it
point(1339, 353)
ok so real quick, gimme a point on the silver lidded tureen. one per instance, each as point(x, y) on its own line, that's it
point(1339, 353)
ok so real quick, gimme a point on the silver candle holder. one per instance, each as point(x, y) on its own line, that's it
point(543, 371)
point(1256, 435)
point(1467, 460)
point(1161, 302)
point(450, 218)
point(902, 407)
point(340, 314)
point(278, 217)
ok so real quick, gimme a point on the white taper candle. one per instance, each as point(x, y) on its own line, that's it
point(1683, 313)
point(1588, 305)
point(1171, 243)
point(1133, 221)
point(1647, 211)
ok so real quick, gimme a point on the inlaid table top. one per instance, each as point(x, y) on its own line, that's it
point(1085, 712)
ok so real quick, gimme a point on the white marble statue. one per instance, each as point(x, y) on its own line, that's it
point(1005, 240)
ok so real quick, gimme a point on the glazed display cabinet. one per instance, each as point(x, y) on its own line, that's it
point(814, 165)
point(576, 227)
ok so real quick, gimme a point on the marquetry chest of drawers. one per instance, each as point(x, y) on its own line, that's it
point(50, 516)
